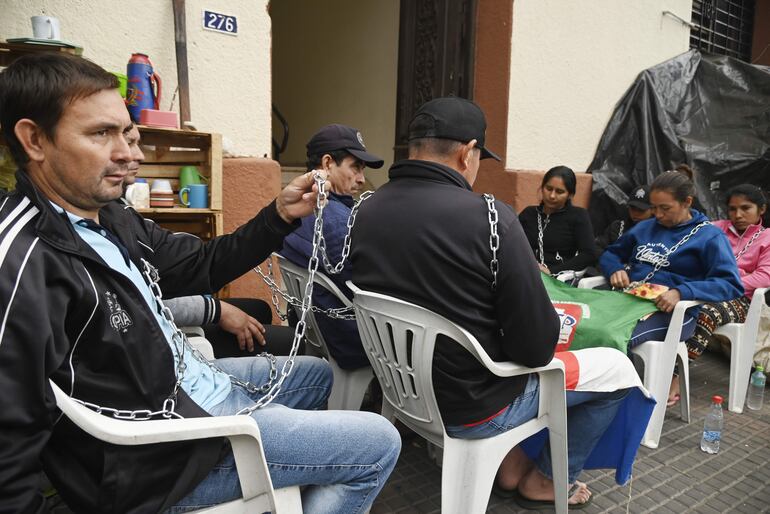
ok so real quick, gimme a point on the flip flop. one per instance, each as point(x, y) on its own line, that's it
point(503, 493)
point(673, 401)
point(526, 503)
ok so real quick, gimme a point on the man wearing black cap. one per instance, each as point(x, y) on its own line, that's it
point(340, 151)
point(424, 237)
point(639, 209)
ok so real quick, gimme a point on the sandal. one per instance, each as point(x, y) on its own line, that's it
point(526, 503)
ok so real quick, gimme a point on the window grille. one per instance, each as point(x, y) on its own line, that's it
point(723, 27)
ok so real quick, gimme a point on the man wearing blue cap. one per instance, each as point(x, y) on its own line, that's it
point(339, 150)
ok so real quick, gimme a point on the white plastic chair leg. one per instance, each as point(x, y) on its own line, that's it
point(658, 370)
point(469, 469)
point(684, 382)
point(349, 387)
point(741, 356)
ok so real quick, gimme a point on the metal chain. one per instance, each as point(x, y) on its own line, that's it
point(751, 241)
point(494, 238)
point(307, 300)
point(540, 229)
point(620, 230)
point(664, 260)
point(344, 313)
point(337, 268)
point(179, 340)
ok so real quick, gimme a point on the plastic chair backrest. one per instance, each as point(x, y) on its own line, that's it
point(400, 338)
point(295, 280)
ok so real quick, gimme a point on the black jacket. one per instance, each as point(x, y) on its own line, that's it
point(58, 301)
point(568, 239)
point(424, 237)
point(613, 232)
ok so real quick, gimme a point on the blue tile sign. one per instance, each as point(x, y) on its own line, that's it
point(220, 22)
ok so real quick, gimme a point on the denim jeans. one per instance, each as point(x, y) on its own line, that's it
point(655, 327)
point(343, 457)
point(588, 416)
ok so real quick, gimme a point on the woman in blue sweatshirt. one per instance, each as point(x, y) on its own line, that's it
point(701, 267)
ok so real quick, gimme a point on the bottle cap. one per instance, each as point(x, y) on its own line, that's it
point(760, 368)
point(717, 399)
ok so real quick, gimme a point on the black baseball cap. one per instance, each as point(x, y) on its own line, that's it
point(341, 137)
point(640, 198)
point(452, 118)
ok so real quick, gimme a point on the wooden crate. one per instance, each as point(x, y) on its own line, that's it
point(167, 150)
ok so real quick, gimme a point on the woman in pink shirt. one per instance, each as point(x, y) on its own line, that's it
point(746, 204)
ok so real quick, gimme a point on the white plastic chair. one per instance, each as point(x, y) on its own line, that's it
point(399, 338)
point(242, 431)
point(659, 358)
point(743, 337)
point(349, 386)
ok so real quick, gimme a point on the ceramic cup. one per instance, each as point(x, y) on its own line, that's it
point(46, 27)
point(197, 196)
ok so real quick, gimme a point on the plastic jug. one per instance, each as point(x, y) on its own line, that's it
point(140, 93)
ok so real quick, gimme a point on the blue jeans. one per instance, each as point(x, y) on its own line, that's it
point(655, 327)
point(588, 416)
point(343, 457)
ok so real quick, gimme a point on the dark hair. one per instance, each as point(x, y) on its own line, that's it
point(434, 145)
point(677, 183)
point(564, 173)
point(687, 170)
point(754, 195)
point(39, 87)
point(314, 161)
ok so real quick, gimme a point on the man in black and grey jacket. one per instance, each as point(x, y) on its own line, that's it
point(77, 275)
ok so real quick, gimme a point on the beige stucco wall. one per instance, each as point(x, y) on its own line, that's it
point(229, 75)
point(571, 61)
point(335, 62)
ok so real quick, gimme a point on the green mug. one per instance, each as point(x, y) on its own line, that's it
point(188, 175)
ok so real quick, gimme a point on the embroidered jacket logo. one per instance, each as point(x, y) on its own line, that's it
point(119, 319)
point(653, 253)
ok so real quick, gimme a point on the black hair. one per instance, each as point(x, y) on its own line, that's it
point(434, 145)
point(314, 161)
point(564, 173)
point(678, 183)
point(753, 194)
point(39, 87)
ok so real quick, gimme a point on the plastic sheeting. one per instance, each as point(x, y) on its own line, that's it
point(710, 112)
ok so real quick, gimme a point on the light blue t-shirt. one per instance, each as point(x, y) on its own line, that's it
point(207, 387)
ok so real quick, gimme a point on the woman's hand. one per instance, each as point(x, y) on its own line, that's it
point(620, 279)
point(667, 301)
point(245, 328)
point(544, 269)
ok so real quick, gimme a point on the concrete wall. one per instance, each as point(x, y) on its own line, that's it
point(336, 62)
point(229, 75)
point(571, 61)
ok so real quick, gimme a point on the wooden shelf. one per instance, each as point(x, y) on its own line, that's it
point(176, 210)
point(166, 151)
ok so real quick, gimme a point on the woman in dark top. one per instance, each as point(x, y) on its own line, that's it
point(559, 233)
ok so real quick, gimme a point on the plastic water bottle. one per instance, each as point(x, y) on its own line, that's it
point(756, 389)
point(712, 427)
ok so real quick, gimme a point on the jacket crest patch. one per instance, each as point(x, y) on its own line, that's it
point(119, 319)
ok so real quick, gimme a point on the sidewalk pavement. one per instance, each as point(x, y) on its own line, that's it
point(674, 478)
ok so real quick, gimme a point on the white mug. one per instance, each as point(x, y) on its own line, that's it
point(46, 27)
point(138, 195)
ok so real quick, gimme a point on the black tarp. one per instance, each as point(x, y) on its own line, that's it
point(710, 112)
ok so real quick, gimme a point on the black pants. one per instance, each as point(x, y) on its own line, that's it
point(278, 339)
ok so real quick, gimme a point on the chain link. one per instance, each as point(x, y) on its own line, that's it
point(540, 229)
point(751, 241)
point(620, 230)
point(337, 268)
point(664, 260)
point(494, 238)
